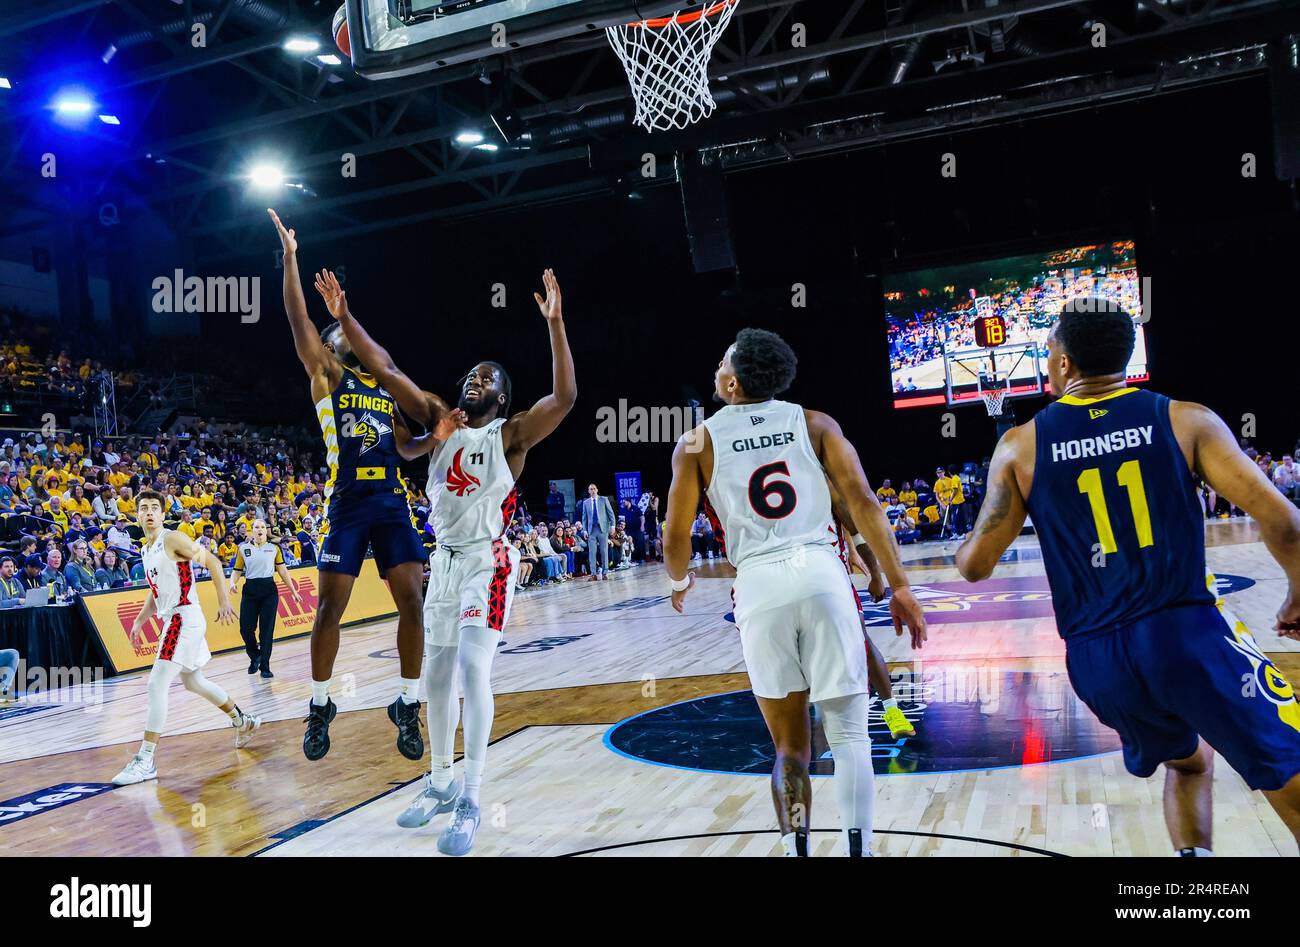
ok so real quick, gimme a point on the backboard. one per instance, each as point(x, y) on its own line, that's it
point(969, 371)
point(400, 37)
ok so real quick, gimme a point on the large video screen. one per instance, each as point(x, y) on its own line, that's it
point(929, 310)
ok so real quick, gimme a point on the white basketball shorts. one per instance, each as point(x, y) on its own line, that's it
point(800, 627)
point(474, 586)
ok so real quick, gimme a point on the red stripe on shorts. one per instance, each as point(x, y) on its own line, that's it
point(499, 586)
point(169, 641)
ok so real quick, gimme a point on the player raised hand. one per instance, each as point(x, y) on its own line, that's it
point(550, 306)
point(288, 238)
point(906, 610)
point(336, 300)
point(449, 424)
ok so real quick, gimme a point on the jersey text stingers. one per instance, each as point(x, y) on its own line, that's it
point(357, 422)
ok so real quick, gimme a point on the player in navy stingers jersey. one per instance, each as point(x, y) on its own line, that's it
point(765, 465)
point(365, 505)
point(472, 474)
point(1106, 473)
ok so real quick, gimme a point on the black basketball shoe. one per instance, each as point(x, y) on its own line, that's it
point(316, 742)
point(406, 717)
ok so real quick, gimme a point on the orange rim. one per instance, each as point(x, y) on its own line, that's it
point(661, 22)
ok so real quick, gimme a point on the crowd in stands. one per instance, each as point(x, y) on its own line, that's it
point(67, 507)
point(555, 549)
point(1283, 473)
point(946, 509)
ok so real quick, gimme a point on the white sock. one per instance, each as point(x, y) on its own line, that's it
point(787, 845)
point(320, 693)
point(236, 715)
point(473, 779)
point(890, 703)
point(147, 750)
point(409, 690)
point(440, 773)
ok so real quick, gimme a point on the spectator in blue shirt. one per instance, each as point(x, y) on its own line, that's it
point(6, 493)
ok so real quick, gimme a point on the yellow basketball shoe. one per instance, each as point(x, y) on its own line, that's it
point(899, 725)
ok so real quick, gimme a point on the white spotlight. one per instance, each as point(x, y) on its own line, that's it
point(301, 44)
point(266, 177)
point(73, 105)
point(469, 137)
point(329, 59)
point(487, 146)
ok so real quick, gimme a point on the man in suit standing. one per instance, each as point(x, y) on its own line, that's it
point(597, 519)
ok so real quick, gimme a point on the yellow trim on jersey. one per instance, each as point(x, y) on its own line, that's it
point(372, 473)
point(1071, 399)
point(325, 415)
point(368, 380)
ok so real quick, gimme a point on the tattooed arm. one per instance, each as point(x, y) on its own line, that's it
point(1003, 512)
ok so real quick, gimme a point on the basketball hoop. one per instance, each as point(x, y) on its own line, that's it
point(667, 63)
point(993, 399)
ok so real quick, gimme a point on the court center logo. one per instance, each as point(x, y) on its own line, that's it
point(966, 718)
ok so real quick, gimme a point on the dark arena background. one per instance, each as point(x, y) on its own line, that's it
point(851, 142)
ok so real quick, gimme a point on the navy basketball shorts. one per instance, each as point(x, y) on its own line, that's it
point(381, 521)
point(1182, 672)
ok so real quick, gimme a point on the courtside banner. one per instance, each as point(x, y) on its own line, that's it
point(113, 613)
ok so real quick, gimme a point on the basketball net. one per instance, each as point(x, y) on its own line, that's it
point(993, 399)
point(667, 63)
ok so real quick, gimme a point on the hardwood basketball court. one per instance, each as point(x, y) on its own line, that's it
point(623, 728)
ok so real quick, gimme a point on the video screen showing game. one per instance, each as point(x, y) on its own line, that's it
point(928, 311)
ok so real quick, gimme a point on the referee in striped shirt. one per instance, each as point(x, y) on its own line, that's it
point(258, 561)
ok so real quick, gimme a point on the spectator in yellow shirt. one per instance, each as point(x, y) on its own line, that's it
point(947, 488)
point(186, 525)
point(907, 496)
point(119, 478)
point(78, 502)
point(53, 509)
point(886, 492)
point(126, 502)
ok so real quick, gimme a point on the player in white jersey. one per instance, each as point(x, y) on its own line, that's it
point(764, 464)
point(169, 558)
point(472, 476)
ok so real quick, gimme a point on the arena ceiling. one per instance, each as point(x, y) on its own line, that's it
point(871, 72)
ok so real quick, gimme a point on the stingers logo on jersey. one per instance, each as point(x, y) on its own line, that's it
point(1268, 681)
point(368, 427)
